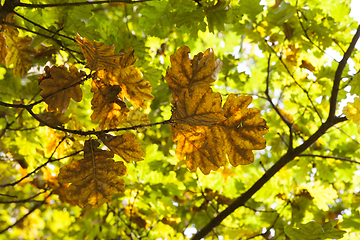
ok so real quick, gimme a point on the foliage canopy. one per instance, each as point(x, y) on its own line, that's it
point(167, 119)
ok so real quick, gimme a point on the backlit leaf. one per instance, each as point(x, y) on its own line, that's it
point(95, 178)
point(352, 110)
point(191, 74)
point(244, 130)
point(202, 107)
point(107, 106)
point(98, 56)
point(313, 231)
point(18, 52)
point(124, 145)
point(60, 85)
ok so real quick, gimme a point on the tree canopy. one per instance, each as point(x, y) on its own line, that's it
point(179, 119)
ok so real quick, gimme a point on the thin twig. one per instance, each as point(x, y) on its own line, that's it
point(38, 168)
point(330, 157)
point(27, 214)
point(24, 200)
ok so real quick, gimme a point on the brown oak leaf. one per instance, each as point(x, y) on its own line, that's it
point(107, 106)
point(201, 108)
point(94, 179)
point(124, 145)
point(60, 86)
point(18, 51)
point(191, 74)
point(97, 55)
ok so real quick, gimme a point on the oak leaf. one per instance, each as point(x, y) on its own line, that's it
point(206, 147)
point(98, 56)
point(108, 107)
point(244, 130)
point(202, 146)
point(18, 52)
point(135, 118)
point(352, 110)
point(129, 78)
point(201, 108)
point(191, 74)
point(95, 178)
point(60, 86)
point(124, 145)
point(53, 118)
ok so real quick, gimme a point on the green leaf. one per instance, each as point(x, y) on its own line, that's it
point(314, 231)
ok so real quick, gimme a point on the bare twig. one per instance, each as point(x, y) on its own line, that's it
point(24, 200)
point(330, 157)
point(26, 215)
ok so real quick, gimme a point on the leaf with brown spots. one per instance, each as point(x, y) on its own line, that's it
point(94, 179)
point(124, 145)
point(98, 56)
point(191, 74)
point(201, 108)
point(108, 107)
point(60, 85)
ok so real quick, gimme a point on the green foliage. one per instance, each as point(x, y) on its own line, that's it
point(303, 185)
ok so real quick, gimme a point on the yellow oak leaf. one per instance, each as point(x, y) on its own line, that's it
point(124, 145)
point(201, 108)
point(60, 85)
point(206, 147)
point(18, 52)
point(244, 130)
point(135, 118)
point(53, 118)
point(94, 179)
point(108, 107)
point(191, 74)
point(323, 195)
point(352, 110)
point(97, 55)
point(202, 146)
point(129, 78)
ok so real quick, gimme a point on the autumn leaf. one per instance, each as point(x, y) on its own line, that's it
point(244, 130)
point(129, 78)
point(18, 51)
point(60, 86)
point(206, 148)
point(3, 49)
point(107, 106)
point(307, 65)
point(136, 117)
point(95, 178)
point(202, 146)
point(124, 145)
point(201, 108)
point(98, 56)
point(191, 74)
point(53, 118)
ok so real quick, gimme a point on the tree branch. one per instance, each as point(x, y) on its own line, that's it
point(290, 155)
point(77, 4)
point(339, 71)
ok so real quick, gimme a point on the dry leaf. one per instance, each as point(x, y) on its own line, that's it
point(107, 106)
point(191, 74)
point(95, 178)
point(60, 86)
point(202, 108)
point(124, 145)
point(98, 56)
